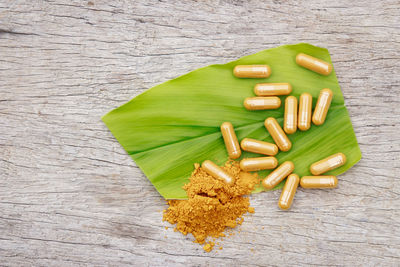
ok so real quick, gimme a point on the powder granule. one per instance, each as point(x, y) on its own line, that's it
point(209, 246)
point(212, 205)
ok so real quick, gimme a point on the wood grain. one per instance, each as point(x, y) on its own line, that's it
point(71, 196)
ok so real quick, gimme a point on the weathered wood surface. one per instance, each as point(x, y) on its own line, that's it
point(71, 196)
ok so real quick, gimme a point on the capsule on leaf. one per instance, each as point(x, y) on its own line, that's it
point(262, 103)
point(305, 111)
point(277, 175)
point(322, 107)
point(260, 147)
point(230, 140)
point(252, 71)
point(276, 132)
point(315, 64)
point(257, 164)
point(327, 164)
point(290, 116)
point(272, 89)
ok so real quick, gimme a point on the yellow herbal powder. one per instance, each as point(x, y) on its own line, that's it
point(212, 205)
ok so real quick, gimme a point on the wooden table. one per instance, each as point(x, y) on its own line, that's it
point(71, 196)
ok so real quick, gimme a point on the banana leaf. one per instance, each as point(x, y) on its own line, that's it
point(173, 125)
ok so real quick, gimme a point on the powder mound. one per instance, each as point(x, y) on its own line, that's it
point(212, 205)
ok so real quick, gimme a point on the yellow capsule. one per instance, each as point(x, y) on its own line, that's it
point(280, 138)
point(257, 164)
point(278, 175)
point(217, 172)
point(290, 119)
point(260, 147)
point(305, 110)
point(327, 164)
point(261, 103)
point(314, 64)
point(271, 89)
point(322, 107)
point(252, 71)
point(288, 191)
point(231, 141)
point(318, 181)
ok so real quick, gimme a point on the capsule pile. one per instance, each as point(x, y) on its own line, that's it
point(297, 115)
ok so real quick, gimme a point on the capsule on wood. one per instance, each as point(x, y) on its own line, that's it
point(271, 89)
point(231, 141)
point(262, 103)
point(260, 147)
point(217, 172)
point(275, 130)
point(252, 71)
point(328, 181)
point(290, 117)
point(332, 162)
point(277, 175)
point(305, 110)
point(257, 164)
point(315, 64)
point(322, 107)
point(288, 191)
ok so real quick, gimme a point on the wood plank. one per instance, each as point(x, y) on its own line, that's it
point(69, 194)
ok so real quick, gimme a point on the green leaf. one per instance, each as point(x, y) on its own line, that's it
point(176, 124)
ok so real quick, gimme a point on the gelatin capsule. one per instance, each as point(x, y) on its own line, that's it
point(322, 107)
point(260, 147)
point(276, 176)
point(262, 103)
point(252, 71)
point(217, 172)
point(288, 191)
point(257, 164)
point(271, 89)
point(315, 64)
point(231, 141)
point(280, 138)
point(318, 181)
point(327, 164)
point(290, 119)
point(305, 110)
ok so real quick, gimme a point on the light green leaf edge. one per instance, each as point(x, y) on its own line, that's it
point(173, 125)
